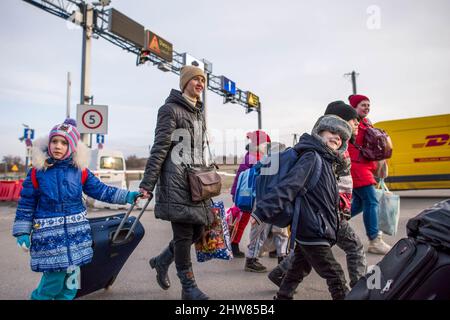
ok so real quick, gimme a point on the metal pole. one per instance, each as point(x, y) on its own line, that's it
point(205, 115)
point(259, 117)
point(354, 81)
point(88, 17)
point(27, 159)
point(69, 85)
point(90, 134)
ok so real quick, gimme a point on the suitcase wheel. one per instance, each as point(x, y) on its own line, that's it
point(110, 283)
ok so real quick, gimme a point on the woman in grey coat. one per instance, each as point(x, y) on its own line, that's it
point(178, 142)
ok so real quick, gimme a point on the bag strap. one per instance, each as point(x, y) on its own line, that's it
point(313, 176)
point(34, 181)
point(316, 172)
point(84, 176)
point(382, 185)
point(207, 141)
point(251, 177)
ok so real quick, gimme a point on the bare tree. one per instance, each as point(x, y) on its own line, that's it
point(133, 162)
point(9, 161)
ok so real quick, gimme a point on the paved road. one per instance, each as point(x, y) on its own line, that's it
point(220, 279)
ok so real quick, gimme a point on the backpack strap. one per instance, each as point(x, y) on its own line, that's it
point(84, 176)
point(316, 169)
point(34, 179)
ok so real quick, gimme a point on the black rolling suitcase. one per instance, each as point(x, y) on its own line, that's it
point(416, 268)
point(114, 239)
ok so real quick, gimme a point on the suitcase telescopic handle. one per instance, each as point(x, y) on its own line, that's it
point(119, 228)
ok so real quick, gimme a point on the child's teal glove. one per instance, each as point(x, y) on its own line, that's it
point(132, 197)
point(23, 241)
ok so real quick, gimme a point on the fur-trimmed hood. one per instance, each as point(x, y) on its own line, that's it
point(39, 154)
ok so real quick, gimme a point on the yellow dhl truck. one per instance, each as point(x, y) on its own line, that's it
point(421, 152)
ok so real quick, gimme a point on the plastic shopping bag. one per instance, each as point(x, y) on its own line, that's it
point(389, 209)
point(233, 216)
point(215, 243)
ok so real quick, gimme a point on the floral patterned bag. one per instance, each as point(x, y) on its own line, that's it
point(215, 243)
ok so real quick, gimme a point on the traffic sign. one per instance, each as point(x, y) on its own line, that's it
point(189, 60)
point(100, 138)
point(252, 100)
point(228, 86)
point(158, 46)
point(28, 133)
point(14, 168)
point(126, 28)
point(92, 118)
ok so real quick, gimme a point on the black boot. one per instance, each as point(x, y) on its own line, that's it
point(281, 297)
point(276, 276)
point(236, 252)
point(288, 287)
point(253, 265)
point(190, 290)
point(161, 263)
point(280, 259)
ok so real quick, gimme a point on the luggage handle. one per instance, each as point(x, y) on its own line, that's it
point(119, 228)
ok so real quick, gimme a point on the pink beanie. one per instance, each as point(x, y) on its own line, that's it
point(67, 130)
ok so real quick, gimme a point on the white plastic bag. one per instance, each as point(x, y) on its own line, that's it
point(389, 209)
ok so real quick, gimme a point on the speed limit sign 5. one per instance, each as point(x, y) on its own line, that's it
point(92, 119)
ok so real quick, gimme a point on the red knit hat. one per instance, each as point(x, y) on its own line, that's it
point(257, 137)
point(355, 99)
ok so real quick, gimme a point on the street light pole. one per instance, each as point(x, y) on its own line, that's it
point(354, 81)
point(352, 74)
point(205, 116)
point(259, 117)
point(69, 85)
point(88, 21)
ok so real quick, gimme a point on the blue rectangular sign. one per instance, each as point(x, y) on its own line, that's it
point(228, 86)
point(101, 138)
point(28, 133)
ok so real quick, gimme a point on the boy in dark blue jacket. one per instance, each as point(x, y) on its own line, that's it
point(318, 221)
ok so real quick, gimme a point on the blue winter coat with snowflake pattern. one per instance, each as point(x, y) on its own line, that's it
point(55, 215)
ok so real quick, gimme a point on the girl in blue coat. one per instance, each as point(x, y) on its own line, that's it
point(51, 216)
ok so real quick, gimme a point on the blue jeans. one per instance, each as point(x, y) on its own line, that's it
point(365, 200)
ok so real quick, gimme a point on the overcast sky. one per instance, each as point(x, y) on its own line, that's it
point(293, 54)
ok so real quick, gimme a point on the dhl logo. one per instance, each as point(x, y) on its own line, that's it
point(434, 141)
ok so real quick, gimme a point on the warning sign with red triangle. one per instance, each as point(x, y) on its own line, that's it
point(154, 45)
point(158, 46)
